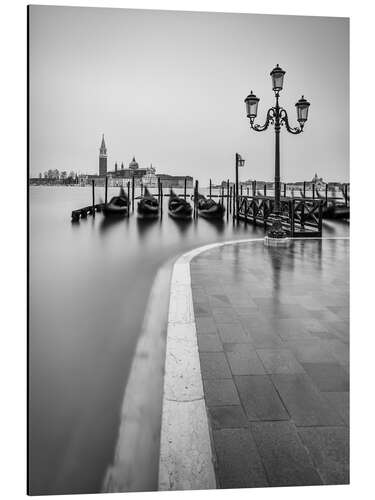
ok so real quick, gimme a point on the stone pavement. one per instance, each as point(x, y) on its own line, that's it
point(273, 337)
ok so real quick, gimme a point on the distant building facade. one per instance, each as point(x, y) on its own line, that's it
point(150, 180)
point(175, 181)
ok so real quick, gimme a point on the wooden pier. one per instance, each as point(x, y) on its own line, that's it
point(300, 217)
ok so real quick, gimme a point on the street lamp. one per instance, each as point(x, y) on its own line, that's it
point(278, 117)
point(240, 162)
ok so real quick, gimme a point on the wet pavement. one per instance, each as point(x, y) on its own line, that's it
point(273, 338)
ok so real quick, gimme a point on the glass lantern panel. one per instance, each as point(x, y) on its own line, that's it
point(302, 112)
point(277, 81)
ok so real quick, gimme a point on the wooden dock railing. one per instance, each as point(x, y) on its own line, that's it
point(300, 217)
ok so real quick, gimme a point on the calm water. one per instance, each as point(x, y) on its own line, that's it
point(89, 285)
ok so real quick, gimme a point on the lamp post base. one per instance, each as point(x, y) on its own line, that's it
point(277, 230)
point(276, 235)
point(277, 242)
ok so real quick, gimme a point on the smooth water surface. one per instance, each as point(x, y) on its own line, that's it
point(89, 285)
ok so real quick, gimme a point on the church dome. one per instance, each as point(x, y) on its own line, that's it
point(133, 165)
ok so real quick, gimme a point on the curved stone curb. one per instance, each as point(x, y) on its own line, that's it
point(186, 461)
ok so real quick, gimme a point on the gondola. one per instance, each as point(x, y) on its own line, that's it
point(148, 206)
point(179, 208)
point(117, 206)
point(209, 209)
point(333, 210)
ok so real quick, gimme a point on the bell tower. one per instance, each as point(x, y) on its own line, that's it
point(103, 159)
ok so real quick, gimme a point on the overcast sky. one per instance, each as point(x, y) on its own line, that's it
point(168, 88)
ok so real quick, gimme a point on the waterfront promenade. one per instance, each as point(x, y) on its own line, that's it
point(273, 334)
point(267, 351)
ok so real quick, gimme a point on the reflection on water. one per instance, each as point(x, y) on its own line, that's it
point(89, 285)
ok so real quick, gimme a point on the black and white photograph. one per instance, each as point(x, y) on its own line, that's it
point(188, 250)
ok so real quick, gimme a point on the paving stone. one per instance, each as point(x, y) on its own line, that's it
point(232, 333)
point(205, 325)
point(238, 461)
point(220, 392)
point(263, 340)
point(245, 362)
point(329, 449)
point(340, 401)
point(325, 315)
point(305, 404)
point(279, 361)
point(214, 365)
point(286, 311)
point(200, 310)
point(328, 376)
point(237, 347)
point(284, 457)
point(325, 335)
point(259, 398)
point(315, 351)
point(224, 316)
point(209, 343)
point(313, 325)
point(226, 417)
point(291, 329)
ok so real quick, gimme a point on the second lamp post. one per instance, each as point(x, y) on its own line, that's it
point(278, 117)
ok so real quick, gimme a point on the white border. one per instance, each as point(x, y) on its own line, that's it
point(13, 253)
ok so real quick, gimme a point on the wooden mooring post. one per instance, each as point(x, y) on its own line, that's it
point(185, 182)
point(93, 197)
point(141, 188)
point(284, 190)
point(210, 188)
point(254, 187)
point(196, 199)
point(313, 191)
point(161, 200)
point(133, 193)
point(265, 189)
point(304, 189)
point(230, 199)
point(346, 194)
point(326, 193)
point(106, 191)
point(128, 186)
point(227, 198)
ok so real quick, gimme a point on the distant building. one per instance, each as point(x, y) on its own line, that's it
point(318, 181)
point(175, 181)
point(150, 179)
point(103, 159)
point(127, 173)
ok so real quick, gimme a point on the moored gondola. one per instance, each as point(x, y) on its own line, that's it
point(179, 208)
point(333, 209)
point(148, 206)
point(117, 206)
point(209, 209)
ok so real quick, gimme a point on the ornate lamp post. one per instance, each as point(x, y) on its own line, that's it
point(278, 117)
